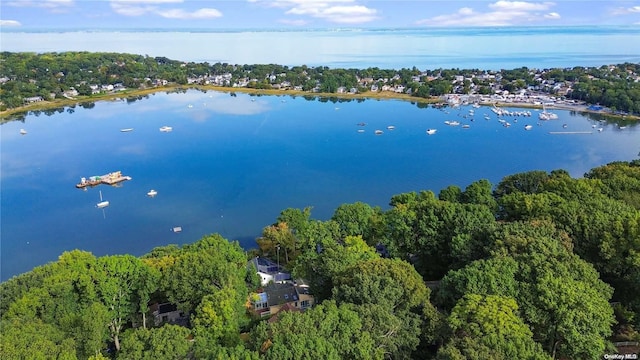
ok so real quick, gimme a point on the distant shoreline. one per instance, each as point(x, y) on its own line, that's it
point(387, 95)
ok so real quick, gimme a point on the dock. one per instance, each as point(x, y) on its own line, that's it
point(108, 179)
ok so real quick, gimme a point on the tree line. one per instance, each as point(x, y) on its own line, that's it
point(26, 75)
point(540, 266)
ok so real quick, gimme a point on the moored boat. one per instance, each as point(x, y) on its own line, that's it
point(23, 132)
point(152, 193)
point(166, 129)
point(378, 132)
point(431, 131)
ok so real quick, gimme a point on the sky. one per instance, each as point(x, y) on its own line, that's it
point(300, 14)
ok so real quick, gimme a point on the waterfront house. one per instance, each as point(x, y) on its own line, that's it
point(33, 99)
point(167, 313)
point(276, 297)
point(268, 271)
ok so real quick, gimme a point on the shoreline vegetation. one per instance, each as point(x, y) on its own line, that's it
point(45, 81)
point(8, 114)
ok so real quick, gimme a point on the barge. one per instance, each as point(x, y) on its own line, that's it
point(108, 179)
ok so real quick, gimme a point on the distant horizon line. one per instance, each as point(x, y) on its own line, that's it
point(315, 29)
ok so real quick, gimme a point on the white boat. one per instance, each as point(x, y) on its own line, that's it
point(546, 115)
point(166, 129)
point(152, 193)
point(452, 123)
point(431, 131)
point(528, 127)
point(126, 130)
point(177, 229)
point(23, 132)
point(102, 203)
point(465, 126)
point(378, 132)
point(360, 130)
point(391, 127)
point(600, 129)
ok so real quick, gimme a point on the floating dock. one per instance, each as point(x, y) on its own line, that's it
point(108, 179)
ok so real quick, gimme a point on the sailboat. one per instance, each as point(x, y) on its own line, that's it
point(102, 203)
point(546, 115)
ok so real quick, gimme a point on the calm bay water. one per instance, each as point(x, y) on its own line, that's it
point(426, 48)
point(232, 163)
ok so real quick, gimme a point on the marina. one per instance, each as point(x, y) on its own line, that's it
point(112, 178)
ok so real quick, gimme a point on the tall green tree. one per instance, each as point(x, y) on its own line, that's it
point(490, 322)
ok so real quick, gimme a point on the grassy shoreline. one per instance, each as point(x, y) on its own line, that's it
point(7, 115)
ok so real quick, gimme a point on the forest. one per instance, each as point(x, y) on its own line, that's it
point(538, 266)
point(51, 75)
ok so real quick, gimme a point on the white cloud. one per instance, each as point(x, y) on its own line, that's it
point(466, 11)
point(49, 4)
point(154, 7)
point(198, 14)
point(552, 15)
point(520, 6)
point(336, 11)
point(10, 23)
point(500, 13)
point(625, 11)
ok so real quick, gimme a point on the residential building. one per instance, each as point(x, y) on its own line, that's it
point(276, 297)
point(269, 271)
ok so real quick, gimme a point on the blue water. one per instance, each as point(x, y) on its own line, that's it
point(232, 163)
point(425, 48)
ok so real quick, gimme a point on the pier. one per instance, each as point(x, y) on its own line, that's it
point(108, 179)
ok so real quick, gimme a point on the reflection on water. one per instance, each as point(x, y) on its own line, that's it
point(231, 164)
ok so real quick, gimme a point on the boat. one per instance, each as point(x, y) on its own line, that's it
point(126, 130)
point(452, 123)
point(600, 129)
point(176, 229)
point(378, 132)
point(528, 127)
point(23, 132)
point(152, 193)
point(360, 130)
point(431, 131)
point(166, 129)
point(391, 127)
point(361, 124)
point(546, 115)
point(102, 203)
point(465, 126)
